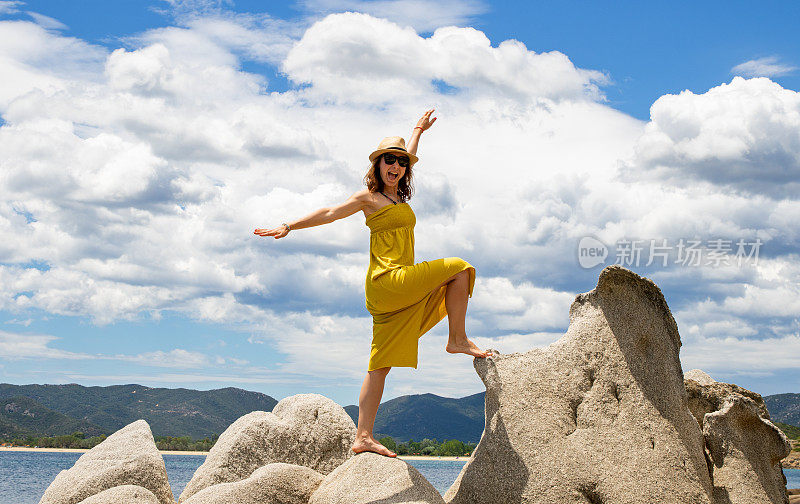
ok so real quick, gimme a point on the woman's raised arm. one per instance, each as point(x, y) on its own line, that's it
point(424, 123)
point(354, 203)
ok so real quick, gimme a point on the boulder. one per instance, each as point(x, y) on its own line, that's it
point(743, 447)
point(699, 376)
point(305, 429)
point(127, 457)
point(123, 494)
point(746, 450)
point(276, 483)
point(599, 416)
point(707, 395)
point(375, 479)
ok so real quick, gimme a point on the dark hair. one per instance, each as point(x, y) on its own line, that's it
point(374, 182)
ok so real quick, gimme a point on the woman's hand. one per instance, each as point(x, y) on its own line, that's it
point(423, 124)
point(278, 232)
point(425, 121)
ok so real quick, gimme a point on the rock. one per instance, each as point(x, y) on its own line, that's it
point(276, 483)
point(599, 416)
point(741, 443)
point(372, 478)
point(305, 429)
point(123, 494)
point(746, 450)
point(699, 376)
point(127, 457)
point(709, 396)
point(792, 461)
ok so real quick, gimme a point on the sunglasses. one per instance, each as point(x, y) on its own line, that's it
point(391, 158)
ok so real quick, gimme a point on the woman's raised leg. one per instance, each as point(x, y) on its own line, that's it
point(455, 300)
point(368, 402)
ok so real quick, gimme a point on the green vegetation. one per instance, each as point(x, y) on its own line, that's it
point(74, 440)
point(103, 410)
point(79, 440)
point(791, 431)
point(447, 448)
point(185, 443)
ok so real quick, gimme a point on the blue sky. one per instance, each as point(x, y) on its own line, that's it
point(143, 140)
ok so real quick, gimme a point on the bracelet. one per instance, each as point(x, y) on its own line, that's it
point(419, 127)
point(287, 226)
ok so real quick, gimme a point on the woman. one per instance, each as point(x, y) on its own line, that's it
point(404, 298)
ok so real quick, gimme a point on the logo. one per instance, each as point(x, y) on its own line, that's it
point(591, 252)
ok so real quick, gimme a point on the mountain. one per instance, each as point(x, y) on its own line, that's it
point(20, 416)
point(170, 412)
point(428, 416)
point(784, 408)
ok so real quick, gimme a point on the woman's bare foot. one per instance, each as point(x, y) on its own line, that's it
point(467, 347)
point(369, 444)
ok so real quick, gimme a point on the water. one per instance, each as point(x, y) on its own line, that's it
point(24, 476)
point(441, 473)
point(792, 478)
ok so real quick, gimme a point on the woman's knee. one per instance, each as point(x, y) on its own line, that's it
point(380, 371)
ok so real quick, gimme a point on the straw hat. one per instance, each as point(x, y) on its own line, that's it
point(395, 145)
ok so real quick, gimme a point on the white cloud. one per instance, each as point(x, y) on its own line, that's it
point(33, 346)
point(47, 22)
point(177, 358)
point(743, 136)
point(422, 15)
point(10, 6)
point(742, 355)
point(38, 346)
point(159, 379)
point(768, 66)
point(357, 58)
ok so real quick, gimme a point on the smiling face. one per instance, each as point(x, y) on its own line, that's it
point(391, 174)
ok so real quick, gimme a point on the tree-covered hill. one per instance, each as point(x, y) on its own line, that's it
point(784, 408)
point(20, 416)
point(170, 412)
point(430, 416)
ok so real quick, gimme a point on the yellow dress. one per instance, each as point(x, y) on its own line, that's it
point(401, 296)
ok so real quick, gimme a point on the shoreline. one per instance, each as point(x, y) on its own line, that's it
point(174, 452)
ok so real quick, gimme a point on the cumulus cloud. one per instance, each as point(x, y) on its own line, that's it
point(743, 136)
point(355, 57)
point(133, 179)
point(768, 66)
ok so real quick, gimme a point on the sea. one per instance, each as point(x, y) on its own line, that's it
point(24, 476)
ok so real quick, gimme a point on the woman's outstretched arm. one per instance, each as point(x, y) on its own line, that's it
point(354, 203)
point(424, 123)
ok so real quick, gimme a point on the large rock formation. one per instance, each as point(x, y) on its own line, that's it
point(127, 457)
point(123, 494)
point(370, 478)
point(744, 448)
point(276, 483)
point(599, 416)
point(305, 429)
